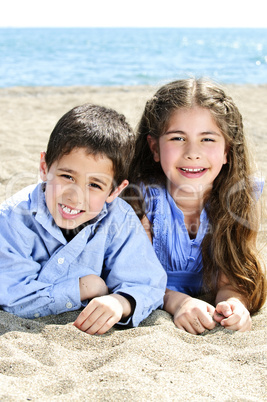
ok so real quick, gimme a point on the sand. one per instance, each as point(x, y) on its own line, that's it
point(49, 359)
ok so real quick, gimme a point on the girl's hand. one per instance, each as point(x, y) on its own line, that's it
point(102, 313)
point(232, 314)
point(194, 316)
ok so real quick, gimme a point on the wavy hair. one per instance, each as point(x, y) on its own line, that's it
point(229, 247)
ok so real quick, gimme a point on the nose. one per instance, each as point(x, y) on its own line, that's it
point(75, 195)
point(192, 152)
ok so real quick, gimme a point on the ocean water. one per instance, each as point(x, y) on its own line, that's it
point(130, 56)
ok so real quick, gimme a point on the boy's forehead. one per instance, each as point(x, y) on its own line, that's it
point(80, 160)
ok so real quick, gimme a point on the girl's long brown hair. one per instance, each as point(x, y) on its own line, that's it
point(229, 247)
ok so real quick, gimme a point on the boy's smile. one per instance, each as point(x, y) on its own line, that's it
point(77, 186)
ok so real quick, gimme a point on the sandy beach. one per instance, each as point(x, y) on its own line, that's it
point(48, 359)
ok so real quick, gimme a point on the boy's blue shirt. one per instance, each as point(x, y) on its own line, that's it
point(40, 270)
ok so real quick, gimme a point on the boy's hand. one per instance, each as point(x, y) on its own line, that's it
point(232, 314)
point(194, 316)
point(102, 313)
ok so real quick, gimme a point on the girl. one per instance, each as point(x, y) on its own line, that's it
point(192, 189)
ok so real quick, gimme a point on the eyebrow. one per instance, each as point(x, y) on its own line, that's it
point(71, 171)
point(98, 180)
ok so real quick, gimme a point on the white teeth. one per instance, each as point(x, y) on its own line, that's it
point(70, 211)
point(193, 170)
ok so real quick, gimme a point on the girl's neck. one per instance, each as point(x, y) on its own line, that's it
point(191, 208)
point(189, 203)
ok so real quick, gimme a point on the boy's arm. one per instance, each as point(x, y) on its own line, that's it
point(22, 292)
point(132, 269)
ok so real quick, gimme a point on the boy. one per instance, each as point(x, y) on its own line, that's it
point(69, 239)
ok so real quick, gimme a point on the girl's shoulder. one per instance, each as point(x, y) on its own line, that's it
point(153, 193)
point(156, 200)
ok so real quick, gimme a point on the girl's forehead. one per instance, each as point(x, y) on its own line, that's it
point(195, 115)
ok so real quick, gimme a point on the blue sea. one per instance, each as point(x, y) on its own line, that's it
point(130, 56)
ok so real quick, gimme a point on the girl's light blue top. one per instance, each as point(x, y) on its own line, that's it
point(40, 270)
point(179, 255)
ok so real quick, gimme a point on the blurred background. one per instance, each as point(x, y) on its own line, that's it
point(113, 43)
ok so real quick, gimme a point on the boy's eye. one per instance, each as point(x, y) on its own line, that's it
point(94, 185)
point(67, 176)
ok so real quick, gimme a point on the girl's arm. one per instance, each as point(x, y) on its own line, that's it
point(147, 226)
point(189, 314)
point(231, 309)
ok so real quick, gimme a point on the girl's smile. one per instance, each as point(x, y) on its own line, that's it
point(192, 172)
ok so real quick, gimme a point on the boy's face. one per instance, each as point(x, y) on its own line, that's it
point(77, 186)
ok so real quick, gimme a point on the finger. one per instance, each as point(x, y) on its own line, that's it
point(82, 317)
point(230, 321)
point(224, 309)
point(199, 323)
point(218, 317)
point(207, 321)
point(239, 327)
point(97, 316)
point(100, 323)
point(210, 309)
point(193, 326)
point(187, 328)
point(236, 316)
point(109, 324)
point(84, 314)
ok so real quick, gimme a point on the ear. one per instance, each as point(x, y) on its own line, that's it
point(154, 147)
point(117, 191)
point(43, 167)
point(225, 155)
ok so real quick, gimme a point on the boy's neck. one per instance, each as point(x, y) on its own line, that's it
point(69, 234)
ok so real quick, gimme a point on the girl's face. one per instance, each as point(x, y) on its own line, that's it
point(77, 186)
point(192, 152)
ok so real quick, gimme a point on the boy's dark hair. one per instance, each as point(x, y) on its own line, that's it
point(97, 129)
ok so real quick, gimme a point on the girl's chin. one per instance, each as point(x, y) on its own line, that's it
point(189, 190)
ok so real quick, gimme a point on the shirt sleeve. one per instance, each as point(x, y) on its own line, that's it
point(21, 291)
point(132, 268)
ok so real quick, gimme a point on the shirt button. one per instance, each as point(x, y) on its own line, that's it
point(36, 315)
point(69, 305)
point(60, 261)
point(191, 258)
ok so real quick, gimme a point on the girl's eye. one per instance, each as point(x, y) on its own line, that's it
point(177, 139)
point(208, 140)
